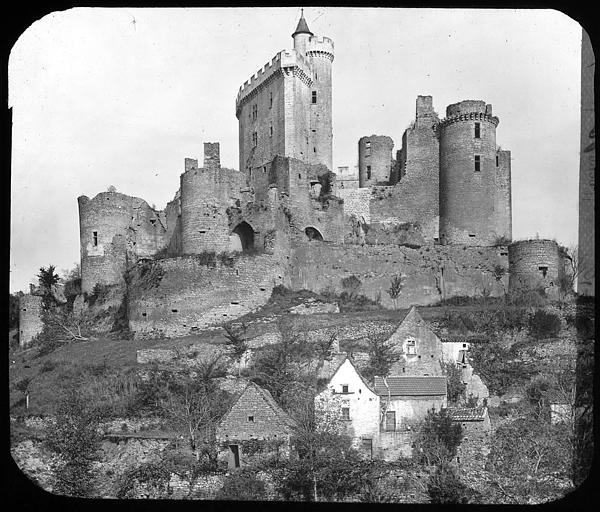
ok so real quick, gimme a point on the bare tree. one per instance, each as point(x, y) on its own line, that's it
point(396, 285)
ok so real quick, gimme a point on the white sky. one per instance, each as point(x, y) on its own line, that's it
point(99, 100)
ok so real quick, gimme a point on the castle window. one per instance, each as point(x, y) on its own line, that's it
point(271, 131)
point(254, 139)
point(314, 150)
point(254, 112)
point(95, 235)
point(368, 172)
point(543, 270)
point(314, 97)
point(271, 100)
point(345, 413)
point(264, 169)
point(496, 160)
point(174, 311)
point(477, 130)
point(251, 419)
point(477, 163)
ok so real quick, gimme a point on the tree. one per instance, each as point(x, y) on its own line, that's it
point(438, 438)
point(382, 356)
point(74, 436)
point(456, 387)
point(236, 340)
point(351, 284)
point(325, 343)
point(47, 278)
point(396, 285)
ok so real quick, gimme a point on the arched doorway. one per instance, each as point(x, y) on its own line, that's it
point(313, 234)
point(246, 234)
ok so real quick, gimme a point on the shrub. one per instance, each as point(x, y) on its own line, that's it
point(242, 485)
point(444, 486)
point(48, 366)
point(544, 324)
point(351, 284)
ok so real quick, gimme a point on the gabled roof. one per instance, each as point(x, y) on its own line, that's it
point(302, 27)
point(340, 359)
point(268, 401)
point(466, 413)
point(411, 386)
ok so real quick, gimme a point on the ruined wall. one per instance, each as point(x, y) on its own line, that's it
point(432, 272)
point(415, 198)
point(374, 160)
point(178, 296)
point(467, 192)
point(534, 263)
point(356, 202)
point(30, 318)
point(115, 229)
point(205, 196)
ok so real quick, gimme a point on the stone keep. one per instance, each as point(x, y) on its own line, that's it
point(469, 176)
point(285, 108)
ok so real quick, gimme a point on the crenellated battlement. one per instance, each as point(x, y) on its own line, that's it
point(321, 46)
point(468, 116)
point(283, 59)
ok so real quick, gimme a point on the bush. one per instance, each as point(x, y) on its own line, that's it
point(48, 366)
point(242, 485)
point(444, 486)
point(544, 324)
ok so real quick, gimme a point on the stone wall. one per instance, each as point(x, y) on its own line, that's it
point(30, 318)
point(432, 272)
point(356, 202)
point(178, 296)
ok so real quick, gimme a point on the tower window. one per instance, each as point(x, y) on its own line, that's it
point(368, 172)
point(477, 163)
point(254, 111)
point(543, 270)
point(251, 419)
point(271, 131)
point(477, 130)
point(314, 150)
point(95, 236)
point(254, 139)
point(314, 97)
point(271, 100)
point(496, 160)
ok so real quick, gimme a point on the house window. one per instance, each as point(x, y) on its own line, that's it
point(251, 419)
point(344, 388)
point(314, 97)
point(543, 270)
point(345, 413)
point(368, 172)
point(367, 446)
point(477, 130)
point(95, 235)
point(235, 455)
point(390, 421)
point(411, 347)
point(477, 163)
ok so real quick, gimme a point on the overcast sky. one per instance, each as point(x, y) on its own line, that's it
point(121, 96)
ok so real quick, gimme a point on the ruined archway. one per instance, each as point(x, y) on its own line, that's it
point(313, 234)
point(246, 234)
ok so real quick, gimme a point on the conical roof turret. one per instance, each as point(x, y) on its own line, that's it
point(302, 27)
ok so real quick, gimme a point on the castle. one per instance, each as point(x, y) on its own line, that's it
point(439, 214)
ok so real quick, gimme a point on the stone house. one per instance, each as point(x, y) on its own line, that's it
point(474, 447)
point(359, 405)
point(419, 347)
point(255, 425)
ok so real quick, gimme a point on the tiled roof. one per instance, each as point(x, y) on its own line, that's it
point(466, 413)
point(463, 338)
point(411, 386)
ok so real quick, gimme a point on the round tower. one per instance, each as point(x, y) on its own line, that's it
point(534, 264)
point(374, 160)
point(301, 35)
point(468, 174)
point(30, 318)
point(319, 51)
point(204, 200)
point(103, 224)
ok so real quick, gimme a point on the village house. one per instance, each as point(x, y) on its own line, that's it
point(255, 425)
point(419, 347)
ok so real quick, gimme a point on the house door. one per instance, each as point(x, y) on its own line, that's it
point(235, 455)
point(367, 446)
point(390, 421)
